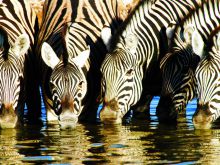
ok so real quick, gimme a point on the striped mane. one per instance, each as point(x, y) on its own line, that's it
point(147, 5)
point(210, 42)
point(179, 27)
point(4, 44)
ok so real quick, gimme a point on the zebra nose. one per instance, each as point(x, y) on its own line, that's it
point(202, 119)
point(8, 117)
point(108, 116)
point(7, 108)
point(112, 105)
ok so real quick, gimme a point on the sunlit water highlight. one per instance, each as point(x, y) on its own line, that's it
point(141, 142)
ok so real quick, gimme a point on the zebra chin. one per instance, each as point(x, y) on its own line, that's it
point(68, 121)
point(166, 111)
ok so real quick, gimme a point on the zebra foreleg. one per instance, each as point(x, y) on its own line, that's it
point(33, 98)
point(142, 108)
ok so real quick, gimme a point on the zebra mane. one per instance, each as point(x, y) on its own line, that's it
point(65, 54)
point(179, 27)
point(210, 41)
point(4, 44)
point(117, 35)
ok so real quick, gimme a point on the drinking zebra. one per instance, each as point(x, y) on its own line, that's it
point(179, 65)
point(73, 51)
point(133, 49)
point(207, 78)
point(17, 22)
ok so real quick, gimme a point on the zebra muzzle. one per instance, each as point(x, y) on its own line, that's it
point(202, 119)
point(8, 117)
point(110, 116)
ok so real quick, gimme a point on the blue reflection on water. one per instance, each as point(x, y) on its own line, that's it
point(190, 108)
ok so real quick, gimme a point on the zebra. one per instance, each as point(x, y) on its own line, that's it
point(207, 82)
point(133, 49)
point(17, 29)
point(179, 64)
point(70, 53)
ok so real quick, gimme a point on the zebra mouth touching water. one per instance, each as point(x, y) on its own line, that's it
point(203, 117)
point(8, 117)
point(111, 114)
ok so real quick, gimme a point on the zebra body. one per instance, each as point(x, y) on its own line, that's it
point(179, 65)
point(75, 52)
point(136, 47)
point(17, 22)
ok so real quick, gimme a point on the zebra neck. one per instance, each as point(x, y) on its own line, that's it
point(147, 22)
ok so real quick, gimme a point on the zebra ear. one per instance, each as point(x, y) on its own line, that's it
point(187, 34)
point(197, 43)
point(49, 56)
point(81, 59)
point(131, 42)
point(106, 35)
point(21, 45)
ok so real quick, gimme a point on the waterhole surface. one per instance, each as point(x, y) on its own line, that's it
point(140, 142)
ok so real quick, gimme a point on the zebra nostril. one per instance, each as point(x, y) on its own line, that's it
point(57, 106)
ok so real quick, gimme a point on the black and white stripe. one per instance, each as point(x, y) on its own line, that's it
point(136, 47)
point(17, 23)
point(208, 84)
point(72, 29)
point(178, 66)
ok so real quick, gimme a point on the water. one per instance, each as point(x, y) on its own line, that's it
point(141, 142)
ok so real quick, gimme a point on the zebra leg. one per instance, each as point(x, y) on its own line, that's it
point(142, 108)
point(33, 99)
point(91, 102)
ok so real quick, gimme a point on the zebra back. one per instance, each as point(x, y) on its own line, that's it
point(20, 16)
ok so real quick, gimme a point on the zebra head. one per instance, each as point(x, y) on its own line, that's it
point(68, 85)
point(178, 76)
point(208, 85)
point(121, 82)
point(11, 82)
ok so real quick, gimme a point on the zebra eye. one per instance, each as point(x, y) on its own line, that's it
point(130, 72)
point(81, 84)
point(51, 85)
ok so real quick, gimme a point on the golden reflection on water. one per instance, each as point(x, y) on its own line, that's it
point(124, 145)
point(8, 151)
point(136, 143)
point(210, 146)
